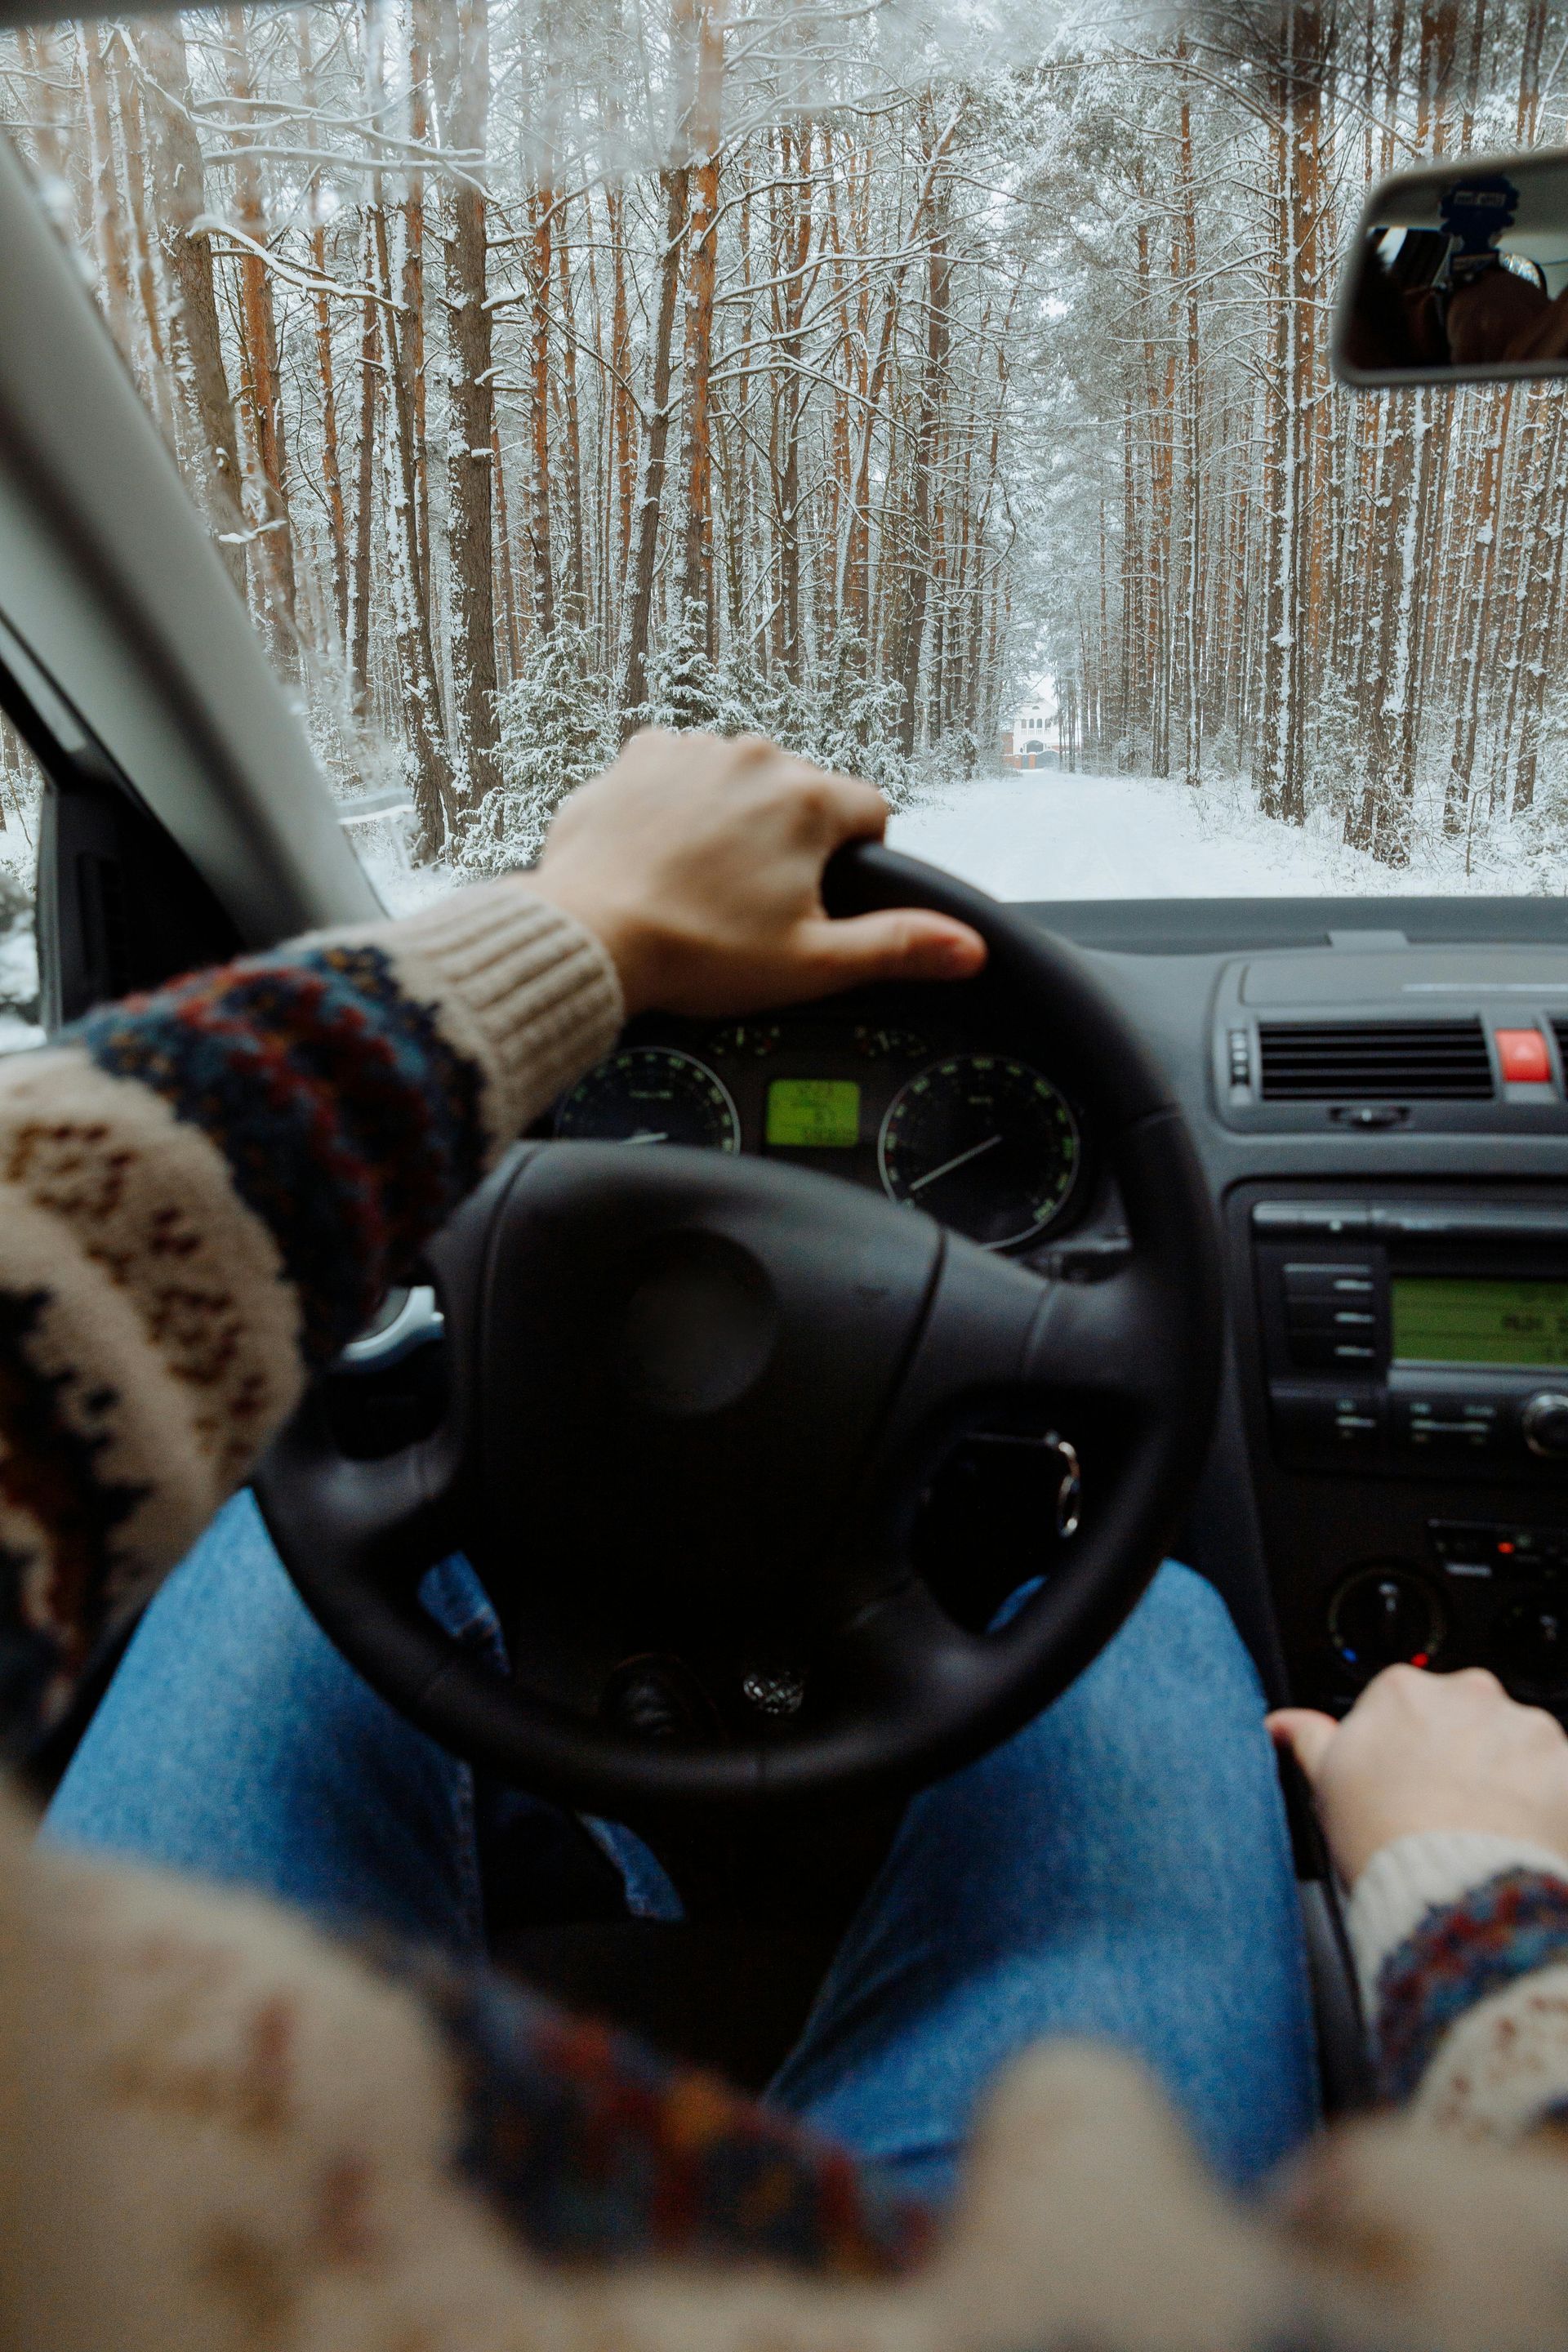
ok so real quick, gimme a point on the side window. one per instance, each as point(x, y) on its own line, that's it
point(21, 810)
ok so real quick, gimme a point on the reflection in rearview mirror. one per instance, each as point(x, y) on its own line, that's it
point(1459, 274)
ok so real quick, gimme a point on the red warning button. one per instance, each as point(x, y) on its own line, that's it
point(1523, 1053)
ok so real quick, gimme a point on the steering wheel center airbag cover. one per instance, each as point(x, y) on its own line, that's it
point(692, 1361)
point(699, 1329)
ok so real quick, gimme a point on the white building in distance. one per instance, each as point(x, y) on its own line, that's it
point(1029, 737)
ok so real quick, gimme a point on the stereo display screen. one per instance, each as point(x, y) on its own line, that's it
point(1461, 1319)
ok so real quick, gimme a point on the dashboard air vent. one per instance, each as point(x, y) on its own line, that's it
point(1374, 1061)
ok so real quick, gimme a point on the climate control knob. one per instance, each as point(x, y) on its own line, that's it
point(1530, 1642)
point(1544, 1422)
point(1384, 1617)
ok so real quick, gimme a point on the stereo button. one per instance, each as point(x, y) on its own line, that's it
point(1324, 1352)
point(1465, 1550)
point(1349, 1279)
point(1315, 1421)
point(1330, 1314)
point(1451, 1425)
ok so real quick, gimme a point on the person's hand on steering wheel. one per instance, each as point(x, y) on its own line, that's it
point(1421, 1751)
point(698, 861)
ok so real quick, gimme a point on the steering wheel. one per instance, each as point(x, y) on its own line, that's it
point(695, 1393)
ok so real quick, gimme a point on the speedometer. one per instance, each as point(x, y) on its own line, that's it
point(985, 1144)
point(650, 1094)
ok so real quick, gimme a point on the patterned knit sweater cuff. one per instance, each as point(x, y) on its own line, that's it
point(525, 990)
point(1461, 1941)
point(1428, 1872)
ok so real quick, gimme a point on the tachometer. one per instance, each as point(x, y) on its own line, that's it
point(650, 1094)
point(985, 1144)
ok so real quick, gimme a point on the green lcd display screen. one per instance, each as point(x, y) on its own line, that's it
point(813, 1114)
point(1447, 1319)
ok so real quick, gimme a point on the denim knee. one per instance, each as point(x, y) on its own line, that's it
point(1173, 1683)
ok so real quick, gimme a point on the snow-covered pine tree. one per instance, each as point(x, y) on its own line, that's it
point(685, 688)
point(554, 733)
point(846, 719)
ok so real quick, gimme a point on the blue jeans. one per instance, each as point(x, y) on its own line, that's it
point(1119, 1869)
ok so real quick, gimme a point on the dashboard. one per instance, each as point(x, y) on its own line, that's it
point(937, 1098)
point(1379, 1096)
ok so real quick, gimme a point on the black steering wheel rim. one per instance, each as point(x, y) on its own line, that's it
point(904, 1695)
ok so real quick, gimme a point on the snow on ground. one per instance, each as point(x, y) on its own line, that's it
point(18, 950)
point(1046, 835)
point(380, 836)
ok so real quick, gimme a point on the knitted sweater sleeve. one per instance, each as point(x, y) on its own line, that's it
point(204, 1194)
point(1461, 1944)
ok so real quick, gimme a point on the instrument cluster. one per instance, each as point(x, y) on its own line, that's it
point(975, 1132)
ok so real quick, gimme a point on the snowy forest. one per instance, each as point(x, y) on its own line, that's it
point(834, 369)
point(1356, 600)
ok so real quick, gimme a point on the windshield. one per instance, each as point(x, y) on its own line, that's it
point(941, 390)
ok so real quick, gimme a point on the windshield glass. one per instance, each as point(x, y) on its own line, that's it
point(940, 389)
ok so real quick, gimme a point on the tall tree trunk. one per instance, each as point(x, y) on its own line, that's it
point(855, 593)
point(1478, 616)
point(504, 555)
point(540, 206)
point(462, 94)
point(364, 489)
point(107, 229)
point(938, 288)
point(332, 470)
point(1192, 422)
point(151, 336)
point(1545, 588)
point(1297, 88)
point(656, 442)
point(795, 150)
point(412, 328)
point(577, 593)
point(261, 324)
point(421, 709)
point(696, 568)
point(433, 780)
point(180, 198)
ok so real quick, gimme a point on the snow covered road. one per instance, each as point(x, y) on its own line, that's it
point(1050, 835)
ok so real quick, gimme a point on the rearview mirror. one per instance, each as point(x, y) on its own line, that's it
point(1459, 274)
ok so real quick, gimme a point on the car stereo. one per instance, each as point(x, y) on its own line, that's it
point(1411, 1441)
point(1403, 1333)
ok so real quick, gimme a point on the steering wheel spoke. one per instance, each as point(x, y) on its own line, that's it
point(392, 1517)
point(897, 1653)
point(1091, 1341)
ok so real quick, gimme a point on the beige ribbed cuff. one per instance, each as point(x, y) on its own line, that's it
point(520, 986)
point(1413, 1876)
